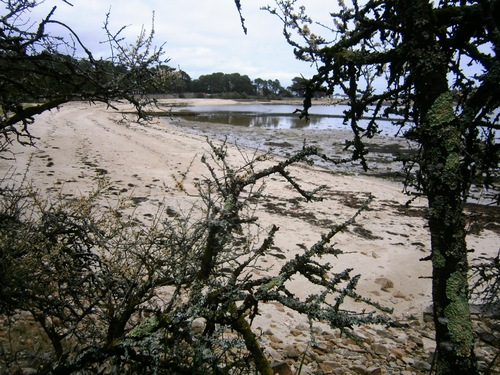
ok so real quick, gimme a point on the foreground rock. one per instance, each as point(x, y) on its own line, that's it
point(405, 347)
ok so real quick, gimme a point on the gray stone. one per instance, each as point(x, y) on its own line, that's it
point(400, 339)
point(422, 366)
point(408, 360)
point(291, 352)
point(359, 370)
point(483, 366)
point(384, 283)
point(383, 333)
point(305, 370)
point(380, 349)
point(268, 332)
point(282, 369)
point(428, 315)
point(417, 340)
point(277, 357)
point(198, 325)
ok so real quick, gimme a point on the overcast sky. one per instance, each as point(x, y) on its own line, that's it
point(200, 36)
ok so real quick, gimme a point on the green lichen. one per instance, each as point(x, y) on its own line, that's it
point(458, 315)
point(442, 110)
point(451, 170)
point(452, 141)
point(438, 260)
point(229, 203)
point(452, 163)
point(440, 118)
point(276, 281)
point(144, 328)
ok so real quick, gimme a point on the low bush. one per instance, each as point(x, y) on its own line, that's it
point(101, 291)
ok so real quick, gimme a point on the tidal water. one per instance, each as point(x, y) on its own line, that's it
point(278, 116)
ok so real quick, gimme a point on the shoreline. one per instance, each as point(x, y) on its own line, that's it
point(82, 145)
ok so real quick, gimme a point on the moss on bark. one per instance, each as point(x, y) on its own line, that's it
point(458, 314)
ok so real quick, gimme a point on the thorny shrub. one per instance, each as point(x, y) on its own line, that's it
point(102, 292)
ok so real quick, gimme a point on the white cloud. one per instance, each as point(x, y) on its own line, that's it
point(201, 37)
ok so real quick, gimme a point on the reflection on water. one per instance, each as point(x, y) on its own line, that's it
point(276, 109)
point(276, 116)
point(264, 121)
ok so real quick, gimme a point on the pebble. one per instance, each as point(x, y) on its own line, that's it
point(380, 349)
point(405, 348)
point(282, 369)
point(296, 332)
point(291, 352)
point(398, 353)
point(198, 325)
point(417, 340)
point(274, 355)
point(422, 365)
point(384, 283)
point(359, 370)
point(275, 339)
point(327, 369)
point(398, 294)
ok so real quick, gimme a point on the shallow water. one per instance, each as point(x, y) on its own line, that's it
point(265, 121)
point(276, 109)
point(276, 116)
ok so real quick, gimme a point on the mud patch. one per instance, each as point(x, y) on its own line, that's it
point(365, 233)
point(279, 144)
point(480, 217)
point(290, 208)
point(350, 199)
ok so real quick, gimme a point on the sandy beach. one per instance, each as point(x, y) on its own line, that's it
point(81, 144)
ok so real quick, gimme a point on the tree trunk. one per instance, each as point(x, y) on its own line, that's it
point(454, 336)
point(440, 138)
point(441, 169)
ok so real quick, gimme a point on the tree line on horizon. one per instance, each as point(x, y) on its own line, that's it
point(225, 84)
point(160, 79)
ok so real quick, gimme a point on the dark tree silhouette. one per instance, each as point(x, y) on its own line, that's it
point(41, 68)
point(438, 65)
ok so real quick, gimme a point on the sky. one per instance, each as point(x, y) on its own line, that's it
point(199, 36)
